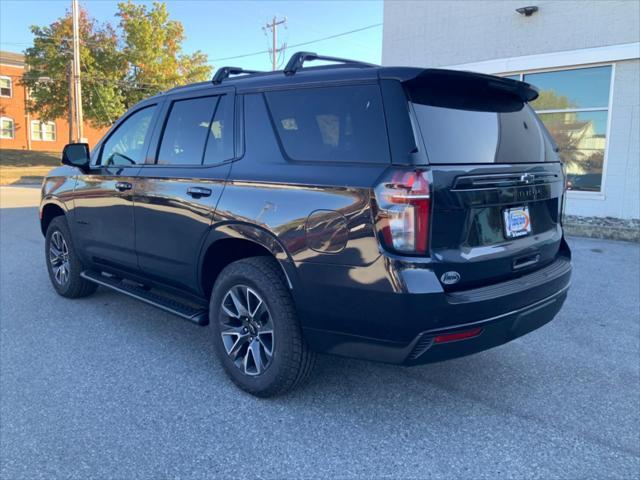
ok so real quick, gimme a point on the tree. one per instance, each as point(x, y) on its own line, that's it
point(119, 66)
point(152, 46)
point(550, 100)
point(101, 63)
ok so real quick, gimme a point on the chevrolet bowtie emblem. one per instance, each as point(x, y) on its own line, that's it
point(527, 178)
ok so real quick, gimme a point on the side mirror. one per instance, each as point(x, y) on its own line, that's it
point(76, 155)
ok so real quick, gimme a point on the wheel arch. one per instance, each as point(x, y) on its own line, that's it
point(49, 210)
point(234, 241)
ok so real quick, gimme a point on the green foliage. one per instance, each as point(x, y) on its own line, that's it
point(48, 64)
point(153, 49)
point(550, 100)
point(119, 67)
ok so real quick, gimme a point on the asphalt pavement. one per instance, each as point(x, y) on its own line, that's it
point(107, 387)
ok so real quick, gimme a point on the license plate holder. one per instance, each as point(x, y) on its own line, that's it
point(517, 222)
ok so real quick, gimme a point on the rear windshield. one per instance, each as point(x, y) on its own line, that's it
point(331, 124)
point(469, 136)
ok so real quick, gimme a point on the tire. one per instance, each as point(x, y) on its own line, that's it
point(59, 244)
point(258, 284)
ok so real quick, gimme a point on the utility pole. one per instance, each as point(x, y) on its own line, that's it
point(70, 108)
point(77, 87)
point(273, 26)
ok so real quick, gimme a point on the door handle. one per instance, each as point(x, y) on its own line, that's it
point(197, 192)
point(122, 186)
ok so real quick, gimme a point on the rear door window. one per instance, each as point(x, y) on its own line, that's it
point(186, 131)
point(331, 124)
point(221, 140)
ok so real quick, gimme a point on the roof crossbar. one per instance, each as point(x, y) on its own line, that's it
point(296, 62)
point(225, 72)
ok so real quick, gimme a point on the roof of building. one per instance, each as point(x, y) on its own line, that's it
point(11, 58)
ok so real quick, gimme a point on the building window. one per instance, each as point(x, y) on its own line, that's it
point(574, 106)
point(5, 87)
point(43, 131)
point(7, 128)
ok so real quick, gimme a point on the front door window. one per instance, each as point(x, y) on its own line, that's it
point(125, 146)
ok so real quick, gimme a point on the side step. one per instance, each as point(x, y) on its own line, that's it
point(195, 313)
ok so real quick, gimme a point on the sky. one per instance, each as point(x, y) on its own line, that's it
point(224, 29)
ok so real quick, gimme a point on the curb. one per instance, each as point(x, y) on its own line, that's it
point(605, 232)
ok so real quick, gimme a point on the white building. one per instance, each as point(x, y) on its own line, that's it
point(583, 55)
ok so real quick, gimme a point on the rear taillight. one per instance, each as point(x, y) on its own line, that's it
point(403, 208)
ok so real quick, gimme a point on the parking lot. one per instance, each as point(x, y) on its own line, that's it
point(106, 387)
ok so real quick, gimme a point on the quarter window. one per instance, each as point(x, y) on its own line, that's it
point(43, 131)
point(331, 124)
point(574, 106)
point(7, 128)
point(126, 144)
point(5, 87)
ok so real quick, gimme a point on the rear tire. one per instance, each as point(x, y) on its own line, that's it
point(255, 329)
point(63, 263)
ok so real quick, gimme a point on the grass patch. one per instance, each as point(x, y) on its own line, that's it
point(28, 158)
point(23, 175)
point(25, 166)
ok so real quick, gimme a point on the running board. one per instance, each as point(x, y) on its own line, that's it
point(189, 311)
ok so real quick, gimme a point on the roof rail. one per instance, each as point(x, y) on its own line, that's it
point(297, 60)
point(226, 72)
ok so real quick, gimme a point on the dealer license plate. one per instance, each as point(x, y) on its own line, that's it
point(517, 222)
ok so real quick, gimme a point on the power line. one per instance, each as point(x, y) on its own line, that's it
point(336, 35)
point(262, 52)
point(302, 43)
point(93, 80)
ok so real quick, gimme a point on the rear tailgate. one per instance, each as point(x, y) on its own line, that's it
point(469, 229)
point(496, 180)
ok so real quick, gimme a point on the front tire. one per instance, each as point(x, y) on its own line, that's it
point(63, 263)
point(256, 332)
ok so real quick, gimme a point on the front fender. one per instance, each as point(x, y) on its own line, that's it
point(255, 234)
point(58, 187)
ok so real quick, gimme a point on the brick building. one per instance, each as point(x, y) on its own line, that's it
point(21, 130)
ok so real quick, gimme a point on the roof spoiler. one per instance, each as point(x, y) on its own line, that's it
point(465, 90)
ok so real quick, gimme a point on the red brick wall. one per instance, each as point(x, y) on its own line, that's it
point(14, 108)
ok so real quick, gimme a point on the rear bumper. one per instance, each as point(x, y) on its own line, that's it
point(402, 327)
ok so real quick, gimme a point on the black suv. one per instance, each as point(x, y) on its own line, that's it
point(402, 215)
